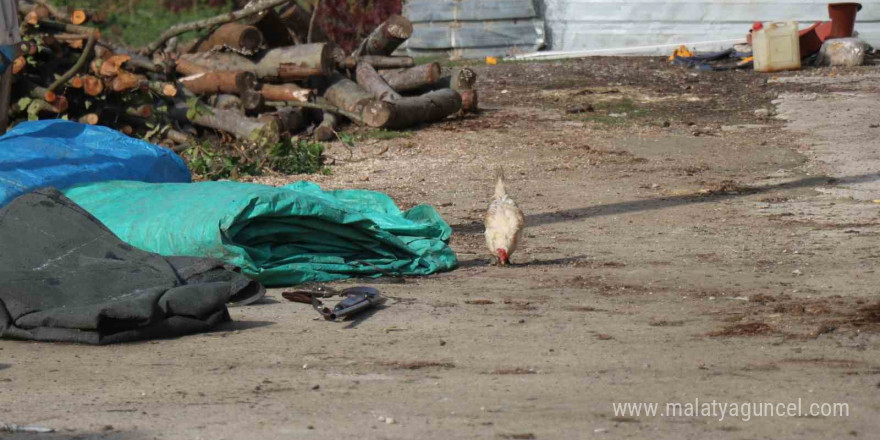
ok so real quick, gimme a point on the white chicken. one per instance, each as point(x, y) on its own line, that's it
point(504, 223)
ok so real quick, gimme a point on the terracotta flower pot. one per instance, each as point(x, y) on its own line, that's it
point(810, 41)
point(843, 19)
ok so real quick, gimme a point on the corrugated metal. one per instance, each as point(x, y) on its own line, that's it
point(473, 28)
point(469, 10)
point(581, 25)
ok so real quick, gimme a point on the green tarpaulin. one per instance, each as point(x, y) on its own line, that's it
point(278, 235)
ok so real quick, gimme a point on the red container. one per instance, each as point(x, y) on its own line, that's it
point(810, 41)
point(843, 19)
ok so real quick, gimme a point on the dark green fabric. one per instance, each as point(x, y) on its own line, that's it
point(66, 277)
point(278, 235)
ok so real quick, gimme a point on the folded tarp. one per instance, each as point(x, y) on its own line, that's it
point(278, 235)
point(60, 153)
point(66, 277)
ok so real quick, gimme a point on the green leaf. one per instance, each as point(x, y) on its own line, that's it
point(23, 103)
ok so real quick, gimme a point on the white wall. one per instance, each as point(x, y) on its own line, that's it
point(576, 25)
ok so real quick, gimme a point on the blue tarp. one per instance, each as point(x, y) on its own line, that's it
point(60, 153)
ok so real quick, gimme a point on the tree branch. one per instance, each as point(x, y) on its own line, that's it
point(176, 30)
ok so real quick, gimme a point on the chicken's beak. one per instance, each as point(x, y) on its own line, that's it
point(503, 258)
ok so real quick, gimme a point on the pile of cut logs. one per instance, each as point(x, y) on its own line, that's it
point(255, 75)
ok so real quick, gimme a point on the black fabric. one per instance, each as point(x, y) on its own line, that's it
point(65, 277)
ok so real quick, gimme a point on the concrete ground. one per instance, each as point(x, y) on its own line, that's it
point(680, 246)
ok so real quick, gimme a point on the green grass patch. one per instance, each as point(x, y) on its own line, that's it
point(292, 156)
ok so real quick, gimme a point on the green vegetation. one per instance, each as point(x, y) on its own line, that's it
point(290, 156)
point(137, 22)
point(614, 112)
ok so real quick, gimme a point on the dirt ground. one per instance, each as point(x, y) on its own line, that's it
point(679, 247)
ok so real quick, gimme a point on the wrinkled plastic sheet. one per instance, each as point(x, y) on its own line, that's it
point(279, 235)
point(58, 153)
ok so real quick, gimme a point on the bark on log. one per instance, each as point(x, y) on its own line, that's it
point(285, 92)
point(326, 131)
point(297, 20)
point(179, 137)
point(372, 82)
point(288, 119)
point(407, 112)
point(462, 81)
point(413, 78)
point(237, 36)
point(264, 134)
point(236, 82)
point(347, 95)
point(377, 61)
point(186, 67)
point(386, 37)
point(226, 102)
point(282, 63)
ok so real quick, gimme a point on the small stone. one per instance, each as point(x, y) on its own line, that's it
point(389, 421)
point(305, 366)
point(310, 427)
point(797, 272)
point(316, 387)
point(442, 342)
point(667, 124)
point(763, 113)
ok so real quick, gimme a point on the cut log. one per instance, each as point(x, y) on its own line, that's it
point(18, 65)
point(38, 106)
point(36, 15)
point(78, 17)
point(462, 81)
point(163, 88)
point(347, 95)
point(372, 82)
point(377, 61)
point(226, 102)
point(186, 67)
point(111, 65)
point(142, 111)
point(220, 82)
point(282, 63)
point(262, 133)
point(407, 112)
point(92, 85)
point(326, 131)
point(275, 32)
point(297, 20)
point(386, 37)
point(288, 119)
point(89, 118)
point(173, 31)
point(413, 78)
point(179, 137)
point(237, 36)
point(469, 100)
point(251, 99)
point(125, 81)
point(76, 82)
point(285, 92)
